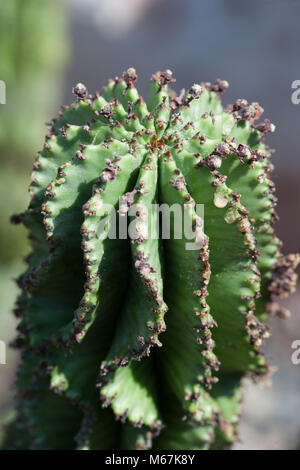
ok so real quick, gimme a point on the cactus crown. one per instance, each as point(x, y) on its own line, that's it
point(138, 343)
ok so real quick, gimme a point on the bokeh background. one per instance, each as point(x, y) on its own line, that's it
point(47, 46)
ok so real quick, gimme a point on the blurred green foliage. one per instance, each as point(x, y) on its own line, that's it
point(8, 292)
point(33, 51)
point(34, 44)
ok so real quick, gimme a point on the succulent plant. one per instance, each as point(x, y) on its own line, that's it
point(132, 343)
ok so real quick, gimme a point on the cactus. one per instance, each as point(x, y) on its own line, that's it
point(140, 343)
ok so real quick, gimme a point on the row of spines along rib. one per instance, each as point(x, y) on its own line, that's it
point(113, 146)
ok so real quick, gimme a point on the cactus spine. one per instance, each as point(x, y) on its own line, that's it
point(141, 343)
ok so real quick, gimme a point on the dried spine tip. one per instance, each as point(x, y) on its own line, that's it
point(80, 91)
point(130, 77)
point(163, 78)
point(196, 91)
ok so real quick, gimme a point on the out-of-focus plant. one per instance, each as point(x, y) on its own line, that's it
point(33, 51)
point(114, 18)
point(33, 48)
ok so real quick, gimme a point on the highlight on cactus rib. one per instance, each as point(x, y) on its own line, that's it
point(141, 343)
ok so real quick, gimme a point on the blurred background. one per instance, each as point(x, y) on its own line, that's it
point(47, 46)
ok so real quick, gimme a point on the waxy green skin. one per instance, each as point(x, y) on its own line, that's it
point(133, 344)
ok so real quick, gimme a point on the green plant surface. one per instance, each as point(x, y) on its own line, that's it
point(139, 343)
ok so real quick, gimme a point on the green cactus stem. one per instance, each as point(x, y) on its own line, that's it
point(140, 342)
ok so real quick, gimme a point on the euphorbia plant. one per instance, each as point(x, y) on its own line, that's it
point(133, 343)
